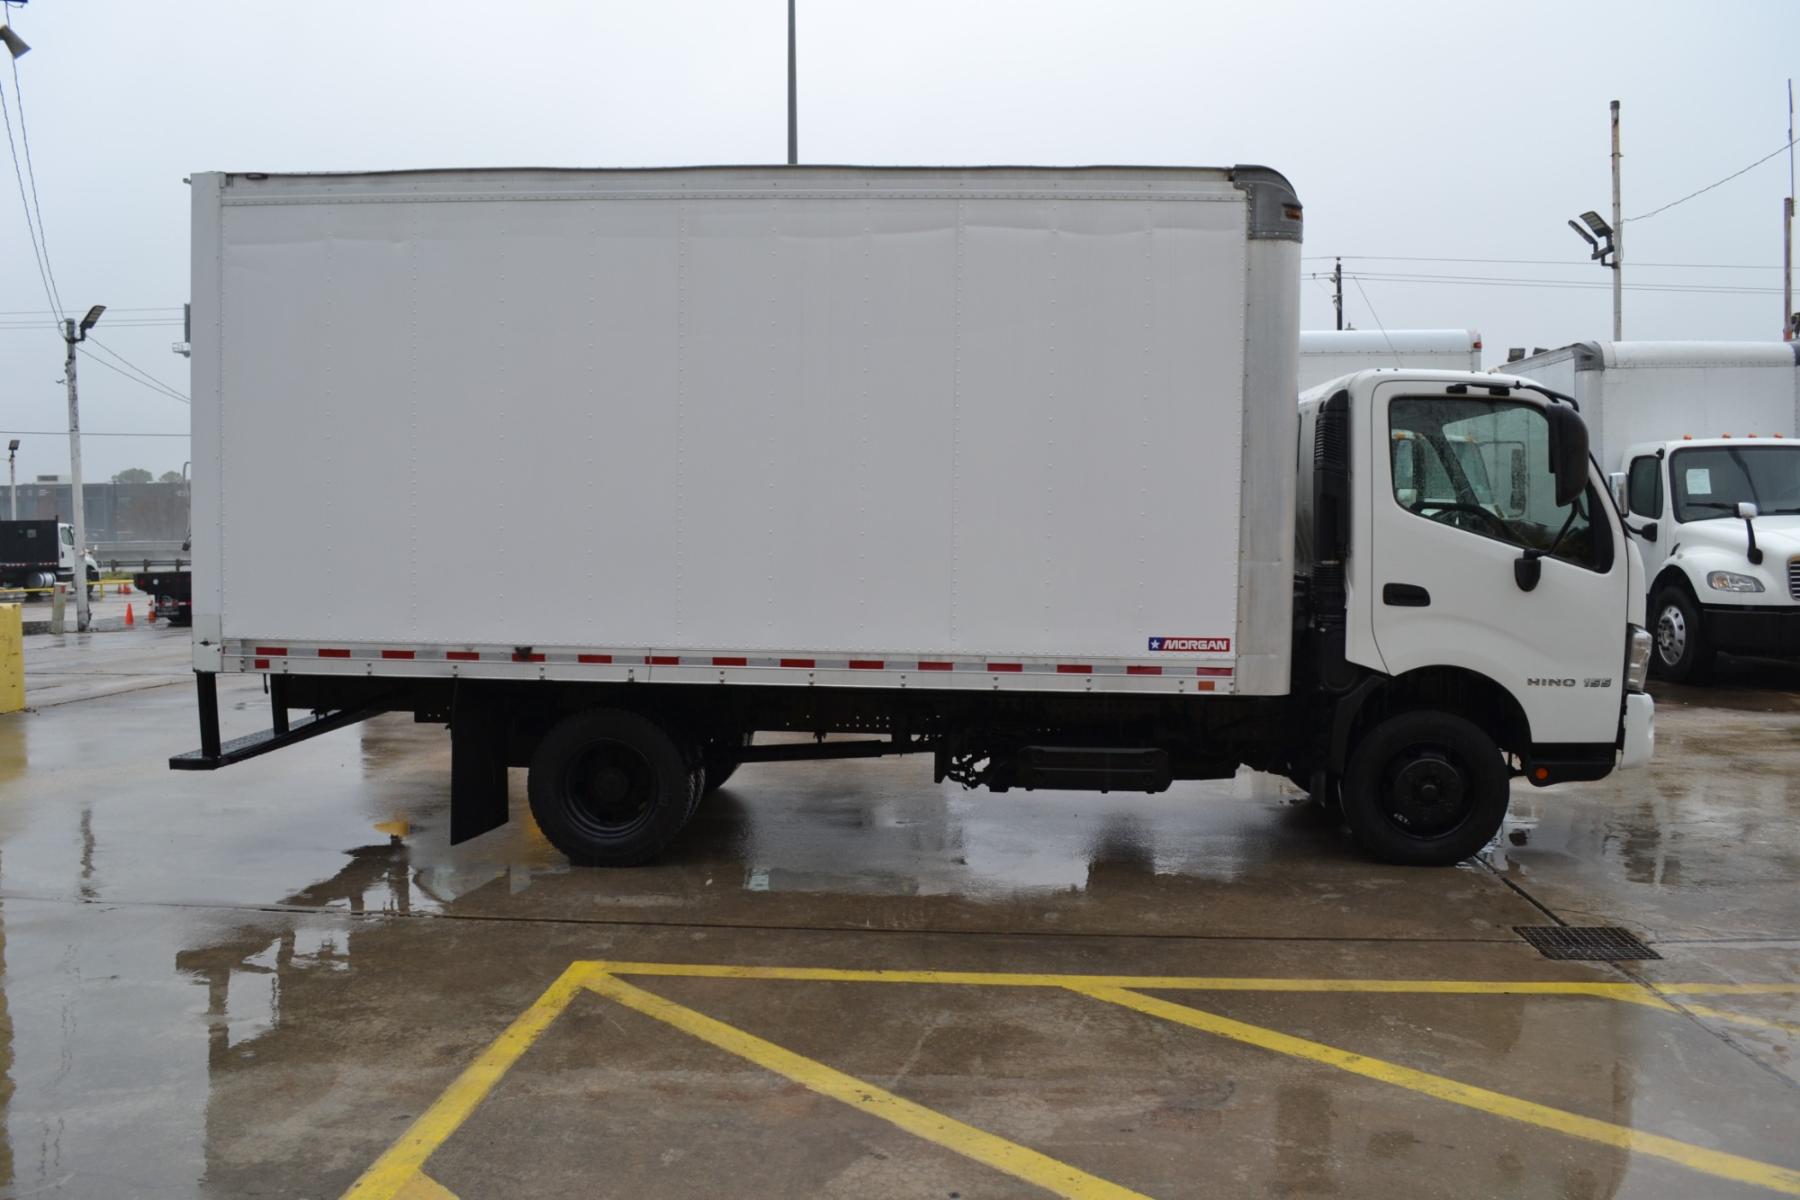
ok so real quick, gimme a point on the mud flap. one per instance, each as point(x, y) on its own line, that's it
point(478, 795)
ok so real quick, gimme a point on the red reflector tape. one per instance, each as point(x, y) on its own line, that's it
point(1212, 671)
point(866, 664)
point(936, 666)
point(730, 662)
point(1005, 666)
point(528, 658)
point(396, 654)
point(663, 660)
point(1073, 669)
point(334, 654)
point(261, 664)
point(1143, 670)
point(593, 658)
point(461, 655)
point(797, 662)
point(275, 650)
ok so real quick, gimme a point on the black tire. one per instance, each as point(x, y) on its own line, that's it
point(1681, 652)
point(721, 762)
point(610, 788)
point(1425, 788)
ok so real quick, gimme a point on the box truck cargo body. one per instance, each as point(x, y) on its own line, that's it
point(1700, 441)
point(993, 464)
point(1328, 353)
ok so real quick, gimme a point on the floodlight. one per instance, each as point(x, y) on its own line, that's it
point(12, 445)
point(93, 317)
point(1600, 227)
point(1584, 235)
point(14, 42)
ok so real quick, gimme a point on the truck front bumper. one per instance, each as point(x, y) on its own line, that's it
point(1755, 629)
point(1637, 741)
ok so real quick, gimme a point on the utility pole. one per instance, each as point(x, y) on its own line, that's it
point(12, 480)
point(1788, 321)
point(1337, 290)
point(793, 95)
point(1618, 223)
point(71, 337)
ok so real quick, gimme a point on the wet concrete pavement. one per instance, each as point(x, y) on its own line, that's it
point(256, 982)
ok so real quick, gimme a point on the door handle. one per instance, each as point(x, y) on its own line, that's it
point(1405, 595)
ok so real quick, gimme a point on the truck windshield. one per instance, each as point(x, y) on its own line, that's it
point(1711, 481)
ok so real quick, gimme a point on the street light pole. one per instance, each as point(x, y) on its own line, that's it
point(71, 337)
point(793, 94)
point(12, 480)
point(1618, 224)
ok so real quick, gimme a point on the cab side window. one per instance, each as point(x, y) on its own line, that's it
point(1643, 488)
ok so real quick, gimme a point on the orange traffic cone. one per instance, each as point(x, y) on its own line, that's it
point(125, 588)
point(129, 619)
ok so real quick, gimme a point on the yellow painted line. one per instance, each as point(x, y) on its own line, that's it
point(1008, 1157)
point(400, 1168)
point(423, 1187)
point(1631, 993)
point(1623, 1137)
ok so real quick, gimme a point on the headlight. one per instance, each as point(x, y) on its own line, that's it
point(1731, 581)
point(1637, 659)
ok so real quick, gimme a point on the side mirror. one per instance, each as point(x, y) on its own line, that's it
point(1568, 452)
point(1648, 532)
point(1528, 568)
point(1747, 510)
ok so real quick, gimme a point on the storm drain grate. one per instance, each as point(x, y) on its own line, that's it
point(1604, 943)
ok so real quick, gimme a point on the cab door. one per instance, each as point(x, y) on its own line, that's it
point(1445, 541)
point(1644, 500)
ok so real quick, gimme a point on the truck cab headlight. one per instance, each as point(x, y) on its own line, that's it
point(1731, 581)
point(1637, 659)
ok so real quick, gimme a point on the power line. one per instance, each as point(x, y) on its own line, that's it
point(153, 386)
point(170, 388)
point(1709, 187)
point(87, 433)
point(31, 172)
point(30, 229)
point(1377, 316)
point(1504, 281)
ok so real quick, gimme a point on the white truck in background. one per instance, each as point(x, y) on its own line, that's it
point(1329, 353)
point(1699, 439)
point(994, 465)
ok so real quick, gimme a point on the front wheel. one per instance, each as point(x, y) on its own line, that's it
point(1683, 654)
point(611, 788)
point(1425, 789)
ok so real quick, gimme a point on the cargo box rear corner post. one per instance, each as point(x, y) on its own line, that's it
point(995, 465)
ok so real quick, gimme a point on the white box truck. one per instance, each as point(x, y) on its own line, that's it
point(996, 465)
point(1329, 353)
point(1699, 439)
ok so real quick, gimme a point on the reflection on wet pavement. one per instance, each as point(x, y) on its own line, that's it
point(250, 982)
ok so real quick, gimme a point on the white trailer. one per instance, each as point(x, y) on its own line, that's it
point(995, 464)
point(1699, 439)
point(1328, 353)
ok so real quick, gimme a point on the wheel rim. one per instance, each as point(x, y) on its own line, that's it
point(609, 790)
point(1671, 634)
point(1428, 792)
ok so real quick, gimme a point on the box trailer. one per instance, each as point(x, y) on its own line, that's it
point(1699, 440)
point(1328, 353)
point(992, 464)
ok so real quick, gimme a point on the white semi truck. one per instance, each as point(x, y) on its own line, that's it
point(995, 465)
point(1700, 441)
point(1329, 353)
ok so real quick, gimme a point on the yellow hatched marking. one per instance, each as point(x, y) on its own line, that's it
point(1010, 1158)
point(399, 1169)
point(1697, 1158)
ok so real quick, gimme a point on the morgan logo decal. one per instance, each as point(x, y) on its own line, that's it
point(1192, 645)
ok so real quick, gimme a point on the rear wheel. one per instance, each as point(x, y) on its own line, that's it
point(1682, 653)
point(610, 788)
point(1425, 789)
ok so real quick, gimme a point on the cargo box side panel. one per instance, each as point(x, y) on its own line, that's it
point(816, 424)
point(1099, 406)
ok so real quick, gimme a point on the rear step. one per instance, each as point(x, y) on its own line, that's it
point(1093, 769)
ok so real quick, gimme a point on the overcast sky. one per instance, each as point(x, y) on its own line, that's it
point(1433, 131)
